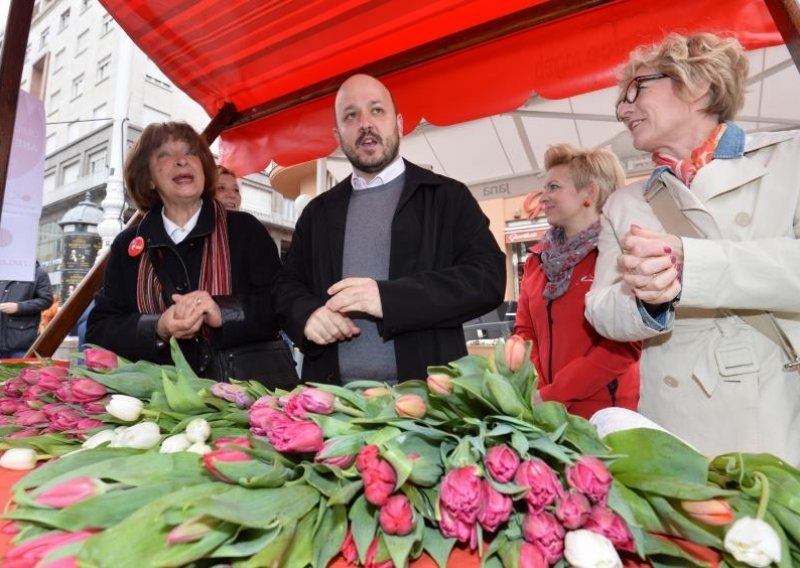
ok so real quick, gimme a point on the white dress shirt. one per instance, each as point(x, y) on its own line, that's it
point(176, 232)
point(387, 174)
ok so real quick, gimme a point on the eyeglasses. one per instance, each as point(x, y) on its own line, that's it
point(631, 92)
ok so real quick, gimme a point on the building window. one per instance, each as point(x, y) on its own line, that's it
point(103, 68)
point(100, 111)
point(73, 129)
point(49, 182)
point(97, 162)
point(108, 24)
point(154, 75)
point(85, 5)
point(81, 42)
point(53, 102)
point(44, 37)
point(58, 64)
point(77, 86)
point(50, 145)
point(150, 115)
point(64, 21)
point(69, 172)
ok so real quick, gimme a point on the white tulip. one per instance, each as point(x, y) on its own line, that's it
point(176, 443)
point(141, 436)
point(18, 458)
point(198, 431)
point(101, 437)
point(587, 549)
point(124, 407)
point(753, 542)
point(199, 448)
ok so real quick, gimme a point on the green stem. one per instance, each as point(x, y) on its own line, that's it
point(764, 500)
point(349, 410)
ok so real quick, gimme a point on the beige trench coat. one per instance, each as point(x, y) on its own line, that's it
point(709, 378)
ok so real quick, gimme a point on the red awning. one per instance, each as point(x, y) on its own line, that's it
point(448, 61)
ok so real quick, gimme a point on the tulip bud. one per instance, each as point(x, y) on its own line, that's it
point(715, 512)
point(70, 492)
point(192, 530)
point(502, 463)
point(126, 408)
point(410, 406)
point(199, 448)
point(18, 458)
point(530, 557)
point(753, 542)
point(590, 476)
point(515, 352)
point(101, 437)
point(141, 436)
point(174, 444)
point(573, 510)
point(440, 383)
point(99, 359)
point(316, 400)
point(587, 549)
point(376, 392)
point(198, 431)
point(397, 516)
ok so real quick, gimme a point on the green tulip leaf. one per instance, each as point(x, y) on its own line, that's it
point(363, 524)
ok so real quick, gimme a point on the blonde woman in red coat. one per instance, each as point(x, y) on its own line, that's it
point(576, 365)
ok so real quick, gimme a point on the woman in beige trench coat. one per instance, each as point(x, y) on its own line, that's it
point(719, 243)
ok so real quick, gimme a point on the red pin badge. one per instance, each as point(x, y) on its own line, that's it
point(136, 247)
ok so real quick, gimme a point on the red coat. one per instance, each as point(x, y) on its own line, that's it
point(576, 365)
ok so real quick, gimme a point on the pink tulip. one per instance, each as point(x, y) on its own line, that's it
point(85, 424)
point(37, 548)
point(591, 477)
point(397, 516)
point(378, 474)
point(51, 378)
point(264, 418)
point(572, 510)
point(232, 393)
point(192, 530)
point(70, 492)
point(371, 562)
point(96, 407)
point(63, 562)
point(317, 401)
point(607, 523)
point(715, 512)
point(212, 458)
point(80, 391)
point(342, 462)
point(221, 443)
point(410, 406)
point(495, 508)
point(515, 352)
point(542, 481)
point(293, 408)
point(99, 359)
point(440, 383)
point(530, 557)
point(9, 406)
point(33, 394)
point(452, 527)
point(296, 437)
point(14, 387)
point(31, 418)
point(66, 420)
point(544, 532)
point(502, 463)
point(5, 420)
point(460, 493)
point(54, 408)
point(29, 375)
point(349, 550)
point(26, 433)
point(266, 400)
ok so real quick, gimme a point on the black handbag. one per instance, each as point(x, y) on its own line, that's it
point(268, 362)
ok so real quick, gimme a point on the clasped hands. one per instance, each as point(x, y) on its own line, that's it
point(650, 264)
point(331, 322)
point(186, 316)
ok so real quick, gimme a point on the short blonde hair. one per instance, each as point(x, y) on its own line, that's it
point(587, 166)
point(693, 62)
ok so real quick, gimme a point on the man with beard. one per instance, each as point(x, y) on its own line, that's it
point(386, 266)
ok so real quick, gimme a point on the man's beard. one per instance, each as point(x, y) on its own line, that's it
point(378, 161)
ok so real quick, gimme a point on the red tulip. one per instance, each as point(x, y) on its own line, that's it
point(515, 352)
point(349, 550)
point(378, 474)
point(607, 523)
point(590, 477)
point(100, 359)
point(452, 527)
point(573, 510)
point(544, 532)
point(264, 418)
point(211, 459)
point(460, 494)
point(502, 463)
point(715, 512)
point(37, 548)
point(342, 462)
point(70, 492)
point(397, 516)
point(542, 482)
point(410, 406)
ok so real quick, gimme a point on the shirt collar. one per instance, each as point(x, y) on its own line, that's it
point(387, 174)
point(176, 232)
point(730, 146)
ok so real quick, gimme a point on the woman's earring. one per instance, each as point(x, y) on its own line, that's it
point(586, 203)
point(152, 186)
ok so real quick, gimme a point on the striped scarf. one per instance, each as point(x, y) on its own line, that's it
point(215, 269)
point(686, 169)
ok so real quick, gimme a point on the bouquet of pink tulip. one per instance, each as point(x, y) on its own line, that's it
point(230, 474)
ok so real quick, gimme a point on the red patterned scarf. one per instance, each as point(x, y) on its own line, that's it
point(559, 255)
point(686, 169)
point(215, 270)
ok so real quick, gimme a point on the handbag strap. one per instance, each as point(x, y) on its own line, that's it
point(673, 219)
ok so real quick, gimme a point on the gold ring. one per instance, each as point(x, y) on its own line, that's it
point(197, 301)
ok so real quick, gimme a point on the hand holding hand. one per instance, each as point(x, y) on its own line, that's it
point(200, 301)
point(650, 264)
point(9, 307)
point(356, 295)
point(325, 327)
point(170, 325)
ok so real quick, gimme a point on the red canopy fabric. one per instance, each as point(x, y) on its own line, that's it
point(256, 53)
